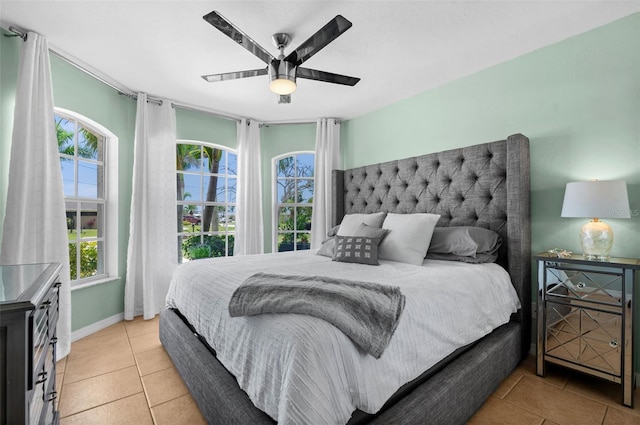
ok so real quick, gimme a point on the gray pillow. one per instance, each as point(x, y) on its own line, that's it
point(371, 232)
point(333, 231)
point(357, 249)
point(464, 241)
point(327, 248)
point(350, 222)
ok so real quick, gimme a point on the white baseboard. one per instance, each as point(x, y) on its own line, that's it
point(97, 326)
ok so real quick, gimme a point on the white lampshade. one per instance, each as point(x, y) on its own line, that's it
point(601, 199)
point(596, 199)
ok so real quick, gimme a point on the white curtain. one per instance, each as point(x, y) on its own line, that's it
point(152, 254)
point(249, 237)
point(327, 159)
point(35, 225)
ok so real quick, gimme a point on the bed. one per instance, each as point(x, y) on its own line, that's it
point(486, 186)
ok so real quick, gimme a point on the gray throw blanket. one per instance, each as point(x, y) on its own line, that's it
point(366, 312)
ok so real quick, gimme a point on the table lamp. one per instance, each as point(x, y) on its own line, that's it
point(596, 199)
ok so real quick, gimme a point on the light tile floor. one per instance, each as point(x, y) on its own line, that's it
point(122, 375)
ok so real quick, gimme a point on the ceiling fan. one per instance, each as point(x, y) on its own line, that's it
point(282, 70)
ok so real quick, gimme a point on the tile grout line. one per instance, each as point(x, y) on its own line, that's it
point(604, 418)
point(101, 374)
point(512, 387)
point(100, 405)
point(144, 388)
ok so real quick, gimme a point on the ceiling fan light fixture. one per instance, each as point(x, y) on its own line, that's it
point(282, 76)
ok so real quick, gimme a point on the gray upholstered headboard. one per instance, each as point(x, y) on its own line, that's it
point(485, 185)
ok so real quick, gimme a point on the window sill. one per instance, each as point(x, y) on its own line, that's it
point(90, 283)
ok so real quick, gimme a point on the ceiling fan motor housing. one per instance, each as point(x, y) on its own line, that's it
point(282, 77)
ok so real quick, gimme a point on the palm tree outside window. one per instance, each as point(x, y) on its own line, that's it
point(206, 202)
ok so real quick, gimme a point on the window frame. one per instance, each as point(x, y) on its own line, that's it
point(202, 202)
point(110, 197)
point(275, 201)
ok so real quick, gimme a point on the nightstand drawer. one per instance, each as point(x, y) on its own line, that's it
point(583, 336)
point(604, 286)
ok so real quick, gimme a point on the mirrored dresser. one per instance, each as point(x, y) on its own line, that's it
point(28, 318)
point(585, 317)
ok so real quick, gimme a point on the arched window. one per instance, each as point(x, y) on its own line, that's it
point(293, 175)
point(206, 182)
point(88, 160)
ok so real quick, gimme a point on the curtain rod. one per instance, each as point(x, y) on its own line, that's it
point(294, 122)
point(121, 90)
point(17, 33)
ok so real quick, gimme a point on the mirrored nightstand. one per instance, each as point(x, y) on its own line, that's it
point(585, 317)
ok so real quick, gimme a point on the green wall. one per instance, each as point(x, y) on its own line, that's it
point(578, 101)
point(204, 127)
point(276, 140)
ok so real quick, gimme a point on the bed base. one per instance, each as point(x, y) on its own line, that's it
point(450, 396)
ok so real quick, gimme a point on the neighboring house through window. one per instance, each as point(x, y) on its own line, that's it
point(88, 160)
point(293, 175)
point(206, 186)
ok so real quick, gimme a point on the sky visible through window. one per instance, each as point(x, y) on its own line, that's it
point(87, 170)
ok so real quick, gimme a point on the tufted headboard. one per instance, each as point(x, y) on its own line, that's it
point(484, 185)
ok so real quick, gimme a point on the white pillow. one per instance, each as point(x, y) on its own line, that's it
point(351, 222)
point(409, 237)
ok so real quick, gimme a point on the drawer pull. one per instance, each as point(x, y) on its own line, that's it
point(53, 395)
point(613, 343)
point(43, 377)
point(580, 285)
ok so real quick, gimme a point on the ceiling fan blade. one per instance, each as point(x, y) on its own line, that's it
point(235, 75)
point(231, 31)
point(325, 35)
point(328, 77)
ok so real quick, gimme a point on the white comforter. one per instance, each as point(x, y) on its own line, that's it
point(302, 370)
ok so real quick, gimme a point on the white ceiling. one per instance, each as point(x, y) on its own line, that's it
point(397, 48)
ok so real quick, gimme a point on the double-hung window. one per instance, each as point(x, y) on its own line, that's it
point(293, 189)
point(82, 149)
point(206, 186)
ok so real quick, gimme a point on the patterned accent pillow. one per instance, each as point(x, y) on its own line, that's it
point(357, 249)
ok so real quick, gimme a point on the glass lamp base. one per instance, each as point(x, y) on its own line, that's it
point(596, 238)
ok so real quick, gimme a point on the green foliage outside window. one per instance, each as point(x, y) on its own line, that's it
point(210, 246)
point(88, 260)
